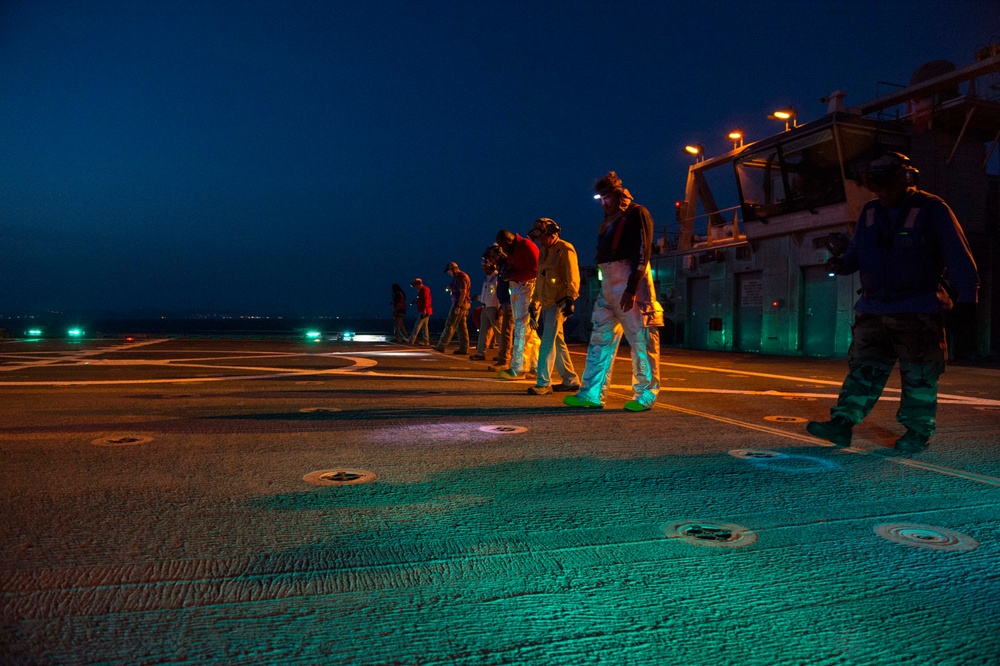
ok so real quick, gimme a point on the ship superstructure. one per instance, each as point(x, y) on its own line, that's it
point(751, 277)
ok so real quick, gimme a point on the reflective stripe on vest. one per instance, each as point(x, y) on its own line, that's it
point(911, 217)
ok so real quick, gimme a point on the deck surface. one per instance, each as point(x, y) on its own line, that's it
point(155, 510)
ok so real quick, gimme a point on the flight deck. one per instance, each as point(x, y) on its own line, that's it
point(173, 501)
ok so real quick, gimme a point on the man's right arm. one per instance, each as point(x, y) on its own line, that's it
point(962, 271)
point(847, 263)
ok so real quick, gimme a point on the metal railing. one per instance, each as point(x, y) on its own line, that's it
point(709, 232)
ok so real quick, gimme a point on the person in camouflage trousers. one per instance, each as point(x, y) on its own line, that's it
point(918, 341)
point(905, 243)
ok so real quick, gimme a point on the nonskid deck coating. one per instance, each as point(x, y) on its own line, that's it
point(202, 543)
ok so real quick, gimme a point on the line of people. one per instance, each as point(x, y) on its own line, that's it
point(531, 284)
point(915, 266)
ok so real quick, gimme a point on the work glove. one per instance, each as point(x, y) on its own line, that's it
point(533, 310)
point(837, 243)
point(833, 265)
point(567, 308)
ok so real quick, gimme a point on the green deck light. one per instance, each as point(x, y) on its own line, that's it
point(75, 332)
point(33, 332)
point(314, 335)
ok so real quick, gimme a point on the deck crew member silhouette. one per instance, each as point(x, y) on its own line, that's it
point(906, 243)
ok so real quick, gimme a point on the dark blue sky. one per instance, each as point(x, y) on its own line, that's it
point(299, 157)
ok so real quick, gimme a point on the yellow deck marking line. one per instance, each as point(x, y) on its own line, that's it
point(212, 358)
point(947, 396)
point(402, 375)
point(809, 439)
point(943, 400)
point(77, 355)
point(33, 356)
point(207, 356)
point(362, 363)
point(178, 380)
point(765, 375)
point(359, 364)
point(734, 372)
point(951, 398)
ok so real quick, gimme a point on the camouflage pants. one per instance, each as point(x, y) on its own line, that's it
point(457, 322)
point(917, 341)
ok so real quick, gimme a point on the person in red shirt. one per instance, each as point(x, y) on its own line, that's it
point(398, 313)
point(424, 312)
point(520, 271)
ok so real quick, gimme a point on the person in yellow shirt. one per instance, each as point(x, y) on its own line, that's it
point(556, 289)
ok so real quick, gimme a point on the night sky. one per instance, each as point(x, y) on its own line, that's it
point(297, 158)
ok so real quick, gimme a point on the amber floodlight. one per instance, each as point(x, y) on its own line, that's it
point(697, 150)
point(786, 115)
point(736, 136)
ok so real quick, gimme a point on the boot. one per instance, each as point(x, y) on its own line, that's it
point(912, 442)
point(837, 430)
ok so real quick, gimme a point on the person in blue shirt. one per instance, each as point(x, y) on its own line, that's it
point(915, 267)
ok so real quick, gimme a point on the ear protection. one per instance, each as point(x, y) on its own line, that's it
point(887, 168)
point(544, 225)
point(910, 172)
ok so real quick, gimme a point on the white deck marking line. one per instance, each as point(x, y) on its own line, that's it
point(808, 439)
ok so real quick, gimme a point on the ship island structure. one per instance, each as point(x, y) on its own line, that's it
point(751, 276)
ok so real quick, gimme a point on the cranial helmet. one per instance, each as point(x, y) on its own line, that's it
point(886, 169)
point(493, 253)
point(542, 226)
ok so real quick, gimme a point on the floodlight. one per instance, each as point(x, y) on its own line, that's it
point(786, 114)
point(697, 150)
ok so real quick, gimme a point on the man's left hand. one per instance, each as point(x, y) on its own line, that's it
point(628, 300)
